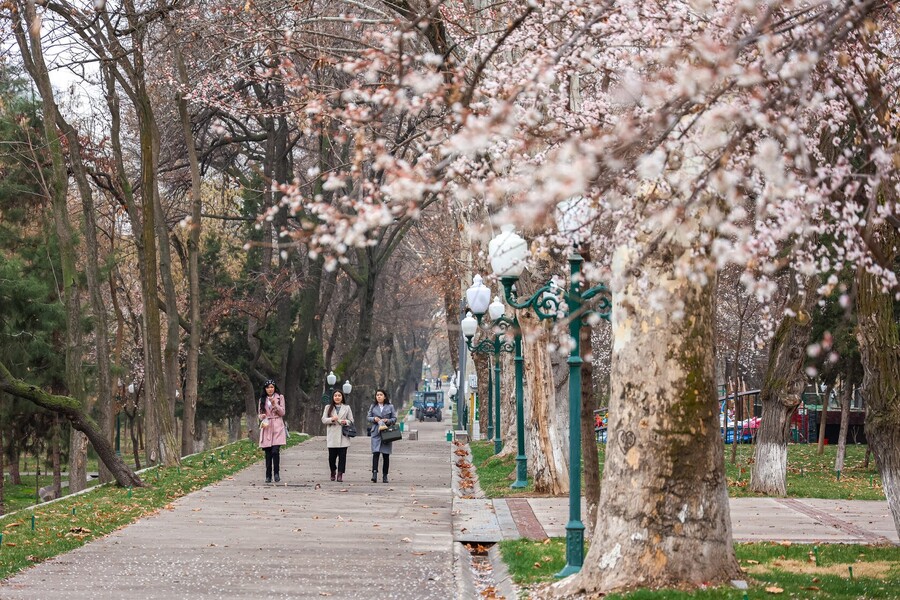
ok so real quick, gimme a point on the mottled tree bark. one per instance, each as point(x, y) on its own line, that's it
point(546, 439)
point(879, 345)
point(782, 392)
point(664, 515)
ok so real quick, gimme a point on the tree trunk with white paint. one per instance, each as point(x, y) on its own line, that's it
point(846, 394)
point(781, 393)
point(546, 441)
point(664, 515)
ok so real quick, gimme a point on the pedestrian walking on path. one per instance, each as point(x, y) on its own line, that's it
point(336, 416)
point(381, 416)
point(272, 435)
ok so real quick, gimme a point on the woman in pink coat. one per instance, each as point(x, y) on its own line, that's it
point(271, 428)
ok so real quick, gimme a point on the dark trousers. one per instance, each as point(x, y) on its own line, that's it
point(337, 459)
point(273, 457)
point(387, 461)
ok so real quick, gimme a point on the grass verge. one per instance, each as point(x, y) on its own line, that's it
point(835, 572)
point(34, 535)
point(496, 474)
point(809, 475)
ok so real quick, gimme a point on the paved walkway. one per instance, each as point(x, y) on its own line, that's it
point(752, 519)
point(307, 537)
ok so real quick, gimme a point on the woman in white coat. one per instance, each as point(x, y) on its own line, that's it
point(336, 415)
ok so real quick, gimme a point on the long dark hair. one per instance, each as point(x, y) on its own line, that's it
point(263, 395)
point(387, 397)
point(332, 405)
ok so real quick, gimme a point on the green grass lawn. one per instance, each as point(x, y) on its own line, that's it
point(17, 497)
point(494, 473)
point(771, 570)
point(809, 475)
point(72, 522)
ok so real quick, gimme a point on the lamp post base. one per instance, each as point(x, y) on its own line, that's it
point(574, 549)
point(498, 446)
point(521, 473)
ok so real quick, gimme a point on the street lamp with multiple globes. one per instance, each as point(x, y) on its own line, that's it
point(504, 324)
point(331, 380)
point(478, 298)
point(493, 347)
point(508, 253)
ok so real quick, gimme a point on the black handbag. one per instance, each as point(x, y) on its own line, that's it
point(348, 431)
point(391, 434)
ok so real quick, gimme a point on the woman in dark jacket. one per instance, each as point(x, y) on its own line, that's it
point(381, 416)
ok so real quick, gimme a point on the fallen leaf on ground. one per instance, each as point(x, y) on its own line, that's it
point(406, 540)
point(774, 589)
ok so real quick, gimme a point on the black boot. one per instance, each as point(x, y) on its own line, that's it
point(268, 480)
point(277, 478)
point(374, 475)
point(384, 478)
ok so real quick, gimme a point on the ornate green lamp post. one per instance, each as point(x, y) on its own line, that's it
point(493, 347)
point(508, 253)
point(507, 256)
point(478, 298)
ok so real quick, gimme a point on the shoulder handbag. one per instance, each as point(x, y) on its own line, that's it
point(391, 434)
point(348, 431)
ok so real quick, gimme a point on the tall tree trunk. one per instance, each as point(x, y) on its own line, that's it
point(846, 395)
point(15, 476)
point(55, 458)
point(823, 419)
point(159, 390)
point(155, 413)
point(546, 444)
point(664, 517)
point(483, 369)
point(2, 474)
point(33, 57)
point(782, 392)
point(507, 404)
point(98, 306)
point(735, 372)
point(299, 361)
point(879, 345)
point(188, 436)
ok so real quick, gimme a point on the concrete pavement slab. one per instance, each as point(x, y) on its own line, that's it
point(771, 519)
point(307, 538)
point(475, 520)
